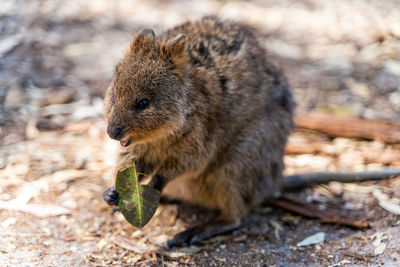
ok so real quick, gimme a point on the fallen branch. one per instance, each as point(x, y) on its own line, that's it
point(350, 127)
point(313, 178)
point(311, 211)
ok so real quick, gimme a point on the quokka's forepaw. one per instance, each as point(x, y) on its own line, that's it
point(111, 196)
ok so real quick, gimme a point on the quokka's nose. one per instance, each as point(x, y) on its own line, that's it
point(114, 132)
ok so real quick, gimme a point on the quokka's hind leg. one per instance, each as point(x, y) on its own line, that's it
point(232, 208)
point(202, 232)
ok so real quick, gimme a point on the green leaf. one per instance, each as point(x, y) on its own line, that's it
point(137, 203)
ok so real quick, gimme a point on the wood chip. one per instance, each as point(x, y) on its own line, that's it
point(240, 238)
point(39, 210)
point(78, 126)
point(137, 247)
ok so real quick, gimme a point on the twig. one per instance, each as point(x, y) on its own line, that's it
point(350, 127)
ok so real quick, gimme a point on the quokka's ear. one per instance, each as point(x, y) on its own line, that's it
point(144, 38)
point(175, 50)
point(175, 47)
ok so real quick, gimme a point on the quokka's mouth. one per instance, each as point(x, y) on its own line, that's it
point(126, 141)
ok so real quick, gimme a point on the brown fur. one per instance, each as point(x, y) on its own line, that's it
point(218, 119)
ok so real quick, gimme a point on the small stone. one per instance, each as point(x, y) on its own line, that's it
point(47, 125)
point(380, 249)
point(336, 188)
point(2, 162)
point(359, 89)
point(85, 112)
point(349, 206)
point(14, 98)
point(8, 222)
point(102, 244)
point(394, 98)
point(393, 66)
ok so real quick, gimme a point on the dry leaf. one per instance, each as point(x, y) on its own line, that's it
point(171, 254)
point(39, 210)
point(180, 252)
point(159, 240)
point(138, 247)
point(312, 240)
point(277, 229)
point(341, 263)
point(102, 243)
point(360, 189)
point(380, 249)
point(390, 204)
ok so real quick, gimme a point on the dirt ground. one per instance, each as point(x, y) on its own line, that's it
point(57, 58)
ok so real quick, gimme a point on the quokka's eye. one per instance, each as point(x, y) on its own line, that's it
point(142, 104)
point(112, 100)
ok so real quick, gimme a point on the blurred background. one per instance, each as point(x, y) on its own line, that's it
point(57, 58)
point(342, 56)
